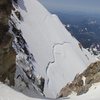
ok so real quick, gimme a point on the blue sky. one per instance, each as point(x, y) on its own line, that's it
point(72, 5)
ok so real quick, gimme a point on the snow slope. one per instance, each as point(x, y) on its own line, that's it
point(6, 93)
point(57, 54)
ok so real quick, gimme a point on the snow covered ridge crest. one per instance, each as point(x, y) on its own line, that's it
point(48, 56)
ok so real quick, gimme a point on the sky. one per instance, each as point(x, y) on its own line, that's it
point(72, 5)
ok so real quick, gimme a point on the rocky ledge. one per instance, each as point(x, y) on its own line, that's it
point(7, 53)
point(82, 82)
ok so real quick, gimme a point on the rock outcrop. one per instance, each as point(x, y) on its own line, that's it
point(7, 53)
point(82, 82)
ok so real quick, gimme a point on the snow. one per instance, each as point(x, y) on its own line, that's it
point(83, 79)
point(24, 84)
point(92, 94)
point(6, 93)
point(57, 54)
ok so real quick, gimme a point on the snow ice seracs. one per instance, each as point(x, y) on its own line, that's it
point(57, 54)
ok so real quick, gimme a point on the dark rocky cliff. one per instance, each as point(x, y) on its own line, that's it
point(7, 53)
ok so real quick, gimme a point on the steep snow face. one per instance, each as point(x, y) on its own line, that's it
point(58, 55)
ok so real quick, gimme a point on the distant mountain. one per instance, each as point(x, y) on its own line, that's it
point(83, 26)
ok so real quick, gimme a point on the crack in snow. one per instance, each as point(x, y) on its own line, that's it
point(51, 62)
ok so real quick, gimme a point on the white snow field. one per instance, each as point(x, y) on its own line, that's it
point(58, 55)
